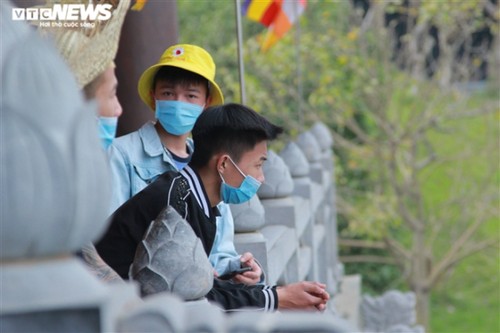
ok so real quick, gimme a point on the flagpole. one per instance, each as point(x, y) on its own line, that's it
point(241, 68)
point(299, 67)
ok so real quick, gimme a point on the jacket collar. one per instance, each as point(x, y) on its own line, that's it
point(198, 190)
point(150, 140)
point(152, 144)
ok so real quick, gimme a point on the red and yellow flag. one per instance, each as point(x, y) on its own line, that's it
point(289, 13)
point(263, 11)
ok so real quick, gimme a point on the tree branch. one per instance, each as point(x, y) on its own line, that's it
point(461, 256)
point(491, 9)
point(340, 141)
point(399, 251)
point(453, 253)
point(400, 194)
point(367, 259)
point(473, 249)
point(362, 243)
point(360, 133)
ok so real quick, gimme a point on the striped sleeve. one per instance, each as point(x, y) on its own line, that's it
point(239, 297)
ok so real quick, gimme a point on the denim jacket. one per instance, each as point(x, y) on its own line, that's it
point(137, 159)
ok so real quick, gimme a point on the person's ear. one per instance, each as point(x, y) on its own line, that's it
point(207, 102)
point(221, 163)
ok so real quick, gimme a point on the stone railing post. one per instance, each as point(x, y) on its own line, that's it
point(320, 184)
point(266, 224)
point(325, 141)
point(249, 218)
point(298, 165)
point(392, 312)
point(284, 214)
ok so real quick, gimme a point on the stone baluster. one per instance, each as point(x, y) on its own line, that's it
point(266, 228)
point(170, 258)
point(284, 216)
point(394, 311)
point(320, 184)
point(298, 165)
point(249, 218)
point(325, 141)
point(286, 321)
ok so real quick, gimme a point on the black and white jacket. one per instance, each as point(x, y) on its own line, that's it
point(185, 192)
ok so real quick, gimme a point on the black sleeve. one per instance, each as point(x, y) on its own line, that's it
point(233, 296)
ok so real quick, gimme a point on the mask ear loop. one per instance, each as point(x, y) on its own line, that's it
point(237, 168)
point(220, 175)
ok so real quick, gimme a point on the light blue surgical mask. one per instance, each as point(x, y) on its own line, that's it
point(243, 193)
point(177, 117)
point(107, 130)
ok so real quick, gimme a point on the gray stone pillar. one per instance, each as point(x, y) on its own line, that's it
point(320, 183)
point(325, 141)
point(298, 165)
point(283, 219)
point(394, 311)
point(249, 218)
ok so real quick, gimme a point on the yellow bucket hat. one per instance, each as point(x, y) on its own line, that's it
point(189, 57)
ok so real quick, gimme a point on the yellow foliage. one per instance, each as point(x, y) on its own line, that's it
point(342, 60)
point(353, 35)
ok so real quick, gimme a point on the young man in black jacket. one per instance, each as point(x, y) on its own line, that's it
point(231, 146)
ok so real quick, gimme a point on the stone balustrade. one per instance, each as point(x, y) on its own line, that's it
point(291, 226)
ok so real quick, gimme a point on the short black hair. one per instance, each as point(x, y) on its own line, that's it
point(230, 128)
point(176, 75)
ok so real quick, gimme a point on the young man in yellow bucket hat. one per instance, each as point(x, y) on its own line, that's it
point(177, 88)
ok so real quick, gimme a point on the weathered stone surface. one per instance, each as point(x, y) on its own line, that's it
point(54, 294)
point(310, 146)
point(54, 199)
point(164, 313)
point(295, 159)
point(205, 317)
point(278, 183)
point(322, 134)
point(248, 216)
point(391, 312)
point(405, 329)
point(287, 321)
point(171, 258)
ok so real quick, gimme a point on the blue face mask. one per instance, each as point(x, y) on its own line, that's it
point(237, 195)
point(177, 117)
point(107, 130)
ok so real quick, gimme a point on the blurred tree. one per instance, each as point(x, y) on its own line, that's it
point(401, 145)
point(392, 102)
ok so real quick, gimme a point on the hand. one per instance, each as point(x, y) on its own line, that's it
point(251, 277)
point(303, 295)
